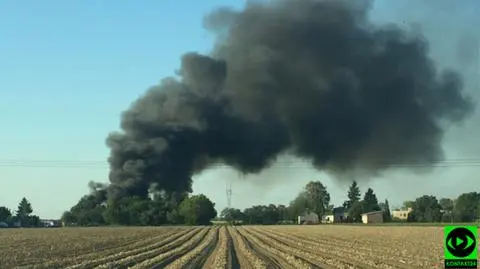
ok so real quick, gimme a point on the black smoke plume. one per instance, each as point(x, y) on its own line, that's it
point(314, 79)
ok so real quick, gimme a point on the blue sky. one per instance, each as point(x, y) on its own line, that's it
point(67, 70)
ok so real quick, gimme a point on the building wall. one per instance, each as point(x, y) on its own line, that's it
point(335, 217)
point(328, 219)
point(401, 214)
point(372, 218)
point(340, 217)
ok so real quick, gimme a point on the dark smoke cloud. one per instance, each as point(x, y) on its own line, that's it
point(314, 79)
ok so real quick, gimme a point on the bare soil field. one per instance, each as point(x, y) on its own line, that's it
point(316, 246)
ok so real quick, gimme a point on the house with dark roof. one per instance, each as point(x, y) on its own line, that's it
point(338, 215)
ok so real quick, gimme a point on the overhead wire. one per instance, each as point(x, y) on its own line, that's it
point(456, 162)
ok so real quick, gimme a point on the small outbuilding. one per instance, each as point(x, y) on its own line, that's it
point(50, 223)
point(373, 217)
point(328, 218)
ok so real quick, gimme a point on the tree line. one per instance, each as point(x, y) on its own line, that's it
point(427, 208)
point(22, 217)
point(161, 208)
point(315, 198)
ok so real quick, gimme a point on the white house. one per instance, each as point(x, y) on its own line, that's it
point(328, 218)
point(401, 214)
point(338, 214)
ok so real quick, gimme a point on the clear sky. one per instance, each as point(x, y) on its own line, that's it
point(69, 68)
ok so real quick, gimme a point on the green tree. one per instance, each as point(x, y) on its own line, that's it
point(329, 209)
point(355, 212)
point(164, 208)
point(23, 212)
point(272, 214)
point(24, 207)
point(317, 197)
point(34, 221)
point(370, 201)
point(298, 206)
point(5, 214)
point(68, 218)
point(447, 209)
point(172, 203)
point(467, 207)
point(261, 214)
point(133, 210)
point(231, 215)
point(283, 213)
point(197, 210)
point(426, 209)
point(157, 212)
point(254, 215)
point(408, 204)
point(174, 216)
point(139, 210)
point(353, 195)
point(88, 211)
point(385, 207)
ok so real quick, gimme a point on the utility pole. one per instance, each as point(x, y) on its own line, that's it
point(453, 210)
point(229, 194)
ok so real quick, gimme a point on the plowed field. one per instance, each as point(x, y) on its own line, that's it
point(319, 246)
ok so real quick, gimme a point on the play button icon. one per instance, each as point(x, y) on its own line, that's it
point(461, 242)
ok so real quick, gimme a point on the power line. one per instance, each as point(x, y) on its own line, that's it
point(93, 162)
point(458, 162)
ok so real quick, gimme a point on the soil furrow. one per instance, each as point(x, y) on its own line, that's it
point(167, 256)
point(129, 260)
point(228, 247)
point(219, 257)
point(354, 255)
point(387, 252)
point(233, 261)
point(65, 257)
point(319, 256)
point(271, 260)
point(290, 258)
point(246, 257)
point(196, 258)
point(318, 236)
point(129, 250)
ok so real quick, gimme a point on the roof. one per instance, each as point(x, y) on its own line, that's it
point(373, 212)
point(339, 209)
point(402, 210)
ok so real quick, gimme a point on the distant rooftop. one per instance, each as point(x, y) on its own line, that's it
point(338, 210)
point(373, 212)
